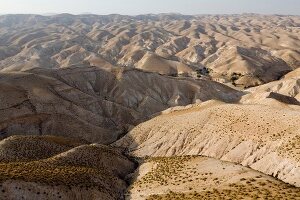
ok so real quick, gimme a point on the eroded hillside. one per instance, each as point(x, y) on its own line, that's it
point(244, 50)
point(94, 104)
point(149, 107)
point(262, 137)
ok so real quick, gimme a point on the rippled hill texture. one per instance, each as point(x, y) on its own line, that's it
point(244, 50)
point(151, 107)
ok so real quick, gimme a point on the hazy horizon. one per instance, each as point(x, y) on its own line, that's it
point(133, 15)
point(136, 7)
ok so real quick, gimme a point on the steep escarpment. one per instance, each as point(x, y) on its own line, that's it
point(262, 137)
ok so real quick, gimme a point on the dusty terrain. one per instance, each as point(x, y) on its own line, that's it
point(82, 172)
point(262, 137)
point(162, 106)
point(94, 104)
point(192, 177)
point(244, 50)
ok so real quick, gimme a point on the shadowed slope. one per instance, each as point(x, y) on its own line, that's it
point(94, 104)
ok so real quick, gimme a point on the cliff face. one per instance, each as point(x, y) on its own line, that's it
point(261, 137)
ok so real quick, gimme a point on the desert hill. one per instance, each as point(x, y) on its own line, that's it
point(30, 148)
point(83, 172)
point(245, 50)
point(289, 86)
point(155, 63)
point(94, 104)
point(262, 137)
point(246, 66)
point(193, 177)
point(164, 106)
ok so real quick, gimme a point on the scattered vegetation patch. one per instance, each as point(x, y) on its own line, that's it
point(87, 166)
point(43, 172)
point(291, 148)
point(166, 168)
point(31, 148)
point(261, 190)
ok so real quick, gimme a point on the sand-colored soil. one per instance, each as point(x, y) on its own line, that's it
point(192, 177)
